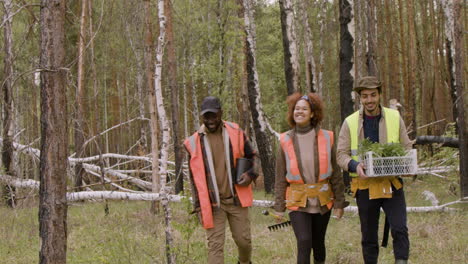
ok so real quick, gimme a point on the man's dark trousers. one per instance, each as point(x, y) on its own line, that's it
point(369, 213)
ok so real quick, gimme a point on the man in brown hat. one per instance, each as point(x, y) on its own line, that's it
point(215, 151)
point(383, 125)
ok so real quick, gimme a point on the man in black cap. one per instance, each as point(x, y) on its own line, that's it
point(383, 125)
point(215, 151)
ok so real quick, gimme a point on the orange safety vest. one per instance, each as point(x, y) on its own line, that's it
point(325, 143)
point(197, 167)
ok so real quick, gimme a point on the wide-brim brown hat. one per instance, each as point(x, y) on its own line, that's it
point(367, 82)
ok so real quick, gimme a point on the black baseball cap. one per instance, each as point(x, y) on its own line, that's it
point(210, 104)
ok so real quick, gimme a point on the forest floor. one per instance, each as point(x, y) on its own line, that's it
point(129, 233)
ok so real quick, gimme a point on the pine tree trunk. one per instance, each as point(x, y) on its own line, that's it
point(392, 80)
point(243, 107)
point(174, 89)
point(460, 51)
point(346, 57)
point(411, 89)
point(291, 52)
point(259, 123)
point(403, 55)
point(54, 140)
point(8, 109)
point(79, 129)
point(149, 69)
point(371, 40)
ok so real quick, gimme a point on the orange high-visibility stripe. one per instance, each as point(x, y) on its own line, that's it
point(293, 174)
point(236, 136)
point(199, 177)
point(325, 141)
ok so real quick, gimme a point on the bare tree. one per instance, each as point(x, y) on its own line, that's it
point(460, 50)
point(311, 77)
point(346, 56)
point(260, 124)
point(7, 88)
point(80, 97)
point(371, 39)
point(54, 131)
point(161, 185)
point(291, 51)
point(174, 89)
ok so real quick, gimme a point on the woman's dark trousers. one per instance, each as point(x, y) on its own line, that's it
point(310, 232)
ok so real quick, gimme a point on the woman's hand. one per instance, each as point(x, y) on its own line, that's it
point(279, 216)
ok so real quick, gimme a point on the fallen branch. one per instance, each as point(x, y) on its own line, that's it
point(445, 141)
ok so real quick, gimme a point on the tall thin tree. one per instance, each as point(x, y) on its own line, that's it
point(174, 89)
point(54, 132)
point(291, 51)
point(260, 124)
point(80, 97)
point(346, 56)
point(7, 88)
point(460, 51)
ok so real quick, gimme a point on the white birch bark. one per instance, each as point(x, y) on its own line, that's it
point(166, 133)
point(448, 6)
point(292, 40)
point(310, 61)
point(146, 196)
point(321, 17)
point(159, 97)
point(250, 29)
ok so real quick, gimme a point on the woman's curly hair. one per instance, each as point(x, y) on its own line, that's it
point(316, 106)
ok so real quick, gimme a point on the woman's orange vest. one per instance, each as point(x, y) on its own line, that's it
point(293, 176)
point(197, 167)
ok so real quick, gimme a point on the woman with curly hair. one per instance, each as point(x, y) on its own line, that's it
point(308, 180)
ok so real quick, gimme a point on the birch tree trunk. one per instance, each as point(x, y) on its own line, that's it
point(259, 122)
point(54, 140)
point(311, 77)
point(8, 109)
point(321, 67)
point(346, 57)
point(79, 129)
point(165, 128)
point(291, 52)
point(149, 69)
point(243, 107)
point(174, 89)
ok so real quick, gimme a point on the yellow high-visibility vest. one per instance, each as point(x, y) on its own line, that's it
point(379, 187)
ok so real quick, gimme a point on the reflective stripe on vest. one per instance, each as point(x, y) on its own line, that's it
point(293, 176)
point(236, 136)
point(392, 124)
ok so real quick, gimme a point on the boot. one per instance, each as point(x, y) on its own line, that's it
point(401, 261)
point(319, 262)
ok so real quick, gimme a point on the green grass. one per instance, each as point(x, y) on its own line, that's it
point(130, 234)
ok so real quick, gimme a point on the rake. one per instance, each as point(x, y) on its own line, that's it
point(276, 227)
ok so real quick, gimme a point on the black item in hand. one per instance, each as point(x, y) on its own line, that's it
point(243, 165)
